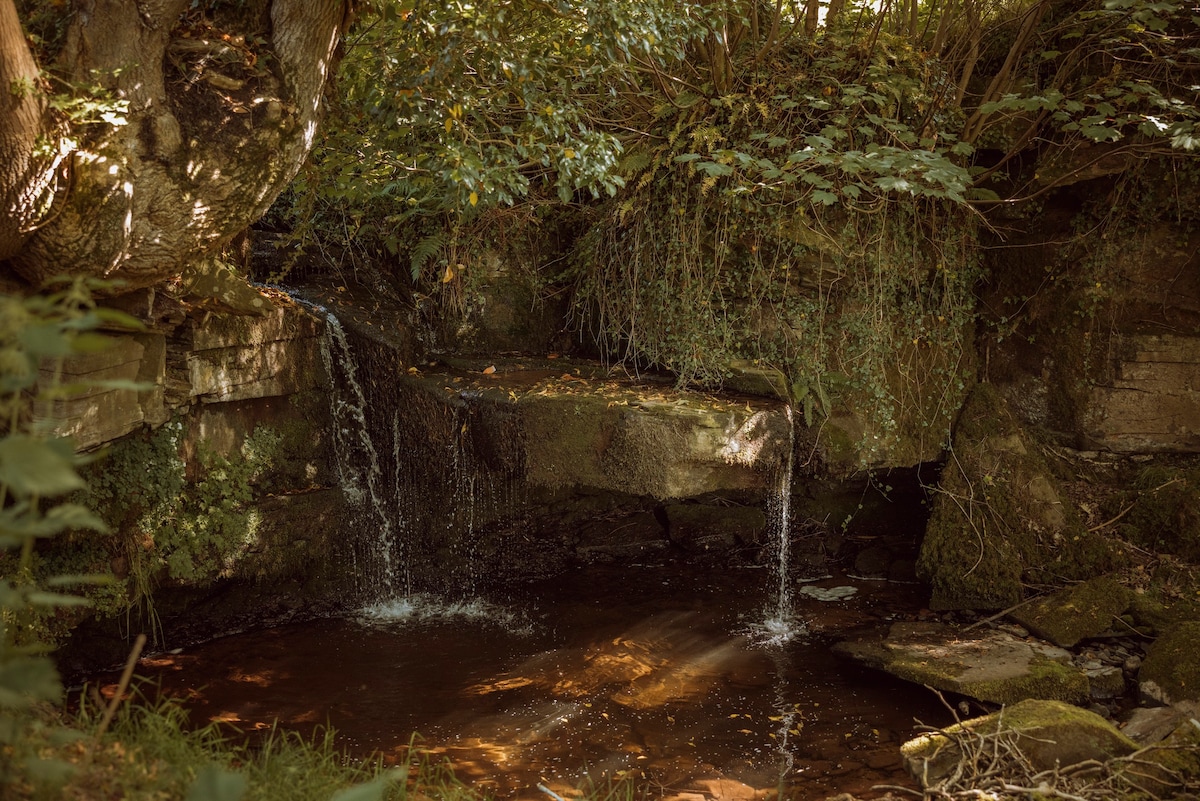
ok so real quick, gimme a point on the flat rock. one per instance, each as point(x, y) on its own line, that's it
point(1148, 725)
point(989, 665)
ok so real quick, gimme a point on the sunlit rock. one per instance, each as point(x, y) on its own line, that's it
point(989, 665)
point(1048, 734)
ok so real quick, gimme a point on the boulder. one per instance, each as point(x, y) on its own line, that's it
point(1047, 733)
point(1171, 670)
point(989, 665)
point(1151, 724)
point(999, 519)
point(1077, 613)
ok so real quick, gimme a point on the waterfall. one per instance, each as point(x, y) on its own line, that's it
point(359, 472)
point(780, 624)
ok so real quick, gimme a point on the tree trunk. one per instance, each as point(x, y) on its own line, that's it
point(222, 114)
point(24, 178)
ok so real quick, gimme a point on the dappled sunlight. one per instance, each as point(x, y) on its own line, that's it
point(746, 442)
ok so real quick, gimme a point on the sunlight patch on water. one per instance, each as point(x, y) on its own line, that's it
point(425, 608)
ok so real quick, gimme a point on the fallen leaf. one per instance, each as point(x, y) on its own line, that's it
point(489, 369)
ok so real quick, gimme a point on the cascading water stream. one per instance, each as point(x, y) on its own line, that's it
point(358, 466)
point(780, 624)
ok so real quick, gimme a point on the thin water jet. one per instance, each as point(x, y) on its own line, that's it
point(780, 624)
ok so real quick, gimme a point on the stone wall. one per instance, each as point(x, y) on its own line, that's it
point(215, 475)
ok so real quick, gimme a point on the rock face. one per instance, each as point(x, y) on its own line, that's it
point(214, 358)
point(991, 666)
point(1105, 349)
point(1148, 400)
point(216, 480)
point(1047, 734)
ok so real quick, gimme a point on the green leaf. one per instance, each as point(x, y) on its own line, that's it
point(55, 599)
point(45, 340)
point(714, 169)
point(27, 679)
point(75, 516)
point(120, 319)
point(213, 783)
point(30, 466)
point(75, 579)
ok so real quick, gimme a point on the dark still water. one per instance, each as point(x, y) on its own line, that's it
point(649, 673)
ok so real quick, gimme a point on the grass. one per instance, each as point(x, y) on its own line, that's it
point(151, 752)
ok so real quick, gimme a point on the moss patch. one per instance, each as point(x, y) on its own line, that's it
point(1047, 733)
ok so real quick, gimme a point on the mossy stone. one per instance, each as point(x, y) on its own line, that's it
point(991, 666)
point(999, 519)
point(1076, 613)
point(1047, 733)
point(1171, 670)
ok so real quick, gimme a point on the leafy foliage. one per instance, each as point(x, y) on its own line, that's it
point(37, 471)
point(790, 184)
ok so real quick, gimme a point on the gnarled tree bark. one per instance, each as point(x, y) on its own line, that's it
point(222, 114)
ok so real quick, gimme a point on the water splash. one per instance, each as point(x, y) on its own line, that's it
point(425, 608)
point(780, 624)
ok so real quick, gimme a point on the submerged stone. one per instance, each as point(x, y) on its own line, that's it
point(991, 666)
point(1047, 733)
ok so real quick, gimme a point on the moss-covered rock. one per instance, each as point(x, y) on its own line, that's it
point(991, 666)
point(1077, 613)
point(1047, 733)
point(1178, 764)
point(999, 518)
point(1162, 513)
point(1171, 670)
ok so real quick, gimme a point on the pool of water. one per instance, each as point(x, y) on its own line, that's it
point(659, 674)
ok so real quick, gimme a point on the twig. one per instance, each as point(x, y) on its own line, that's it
point(999, 615)
point(550, 792)
point(122, 685)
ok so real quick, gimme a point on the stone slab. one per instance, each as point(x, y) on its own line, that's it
point(990, 665)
